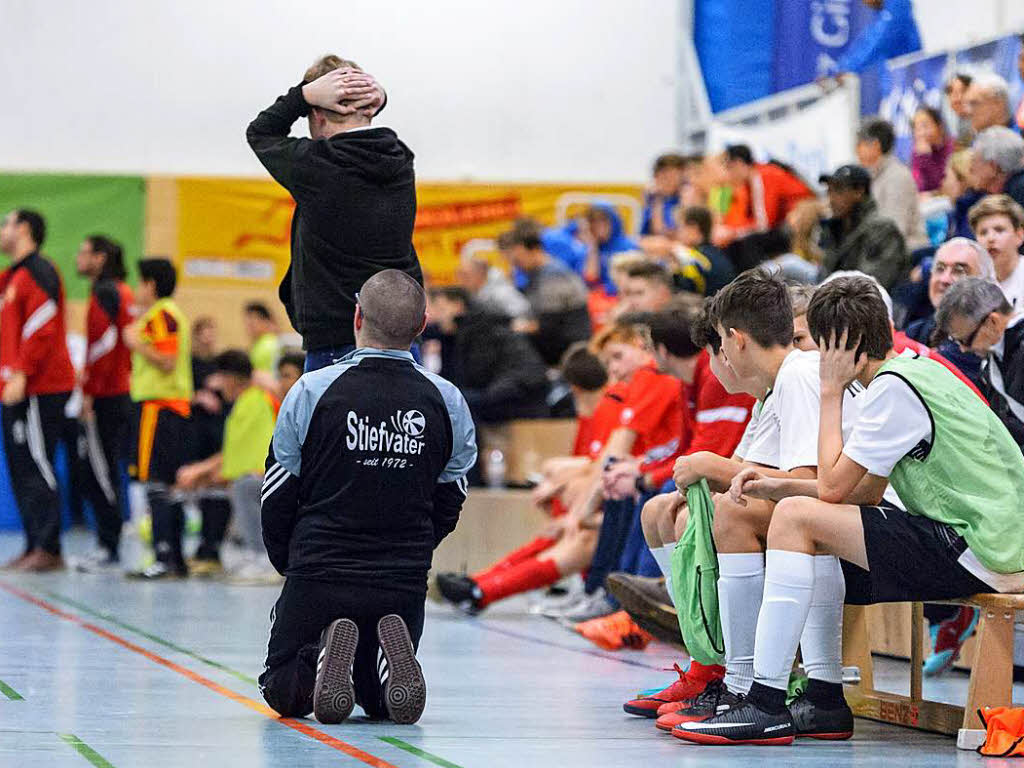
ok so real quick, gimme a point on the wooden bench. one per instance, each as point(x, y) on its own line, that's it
point(991, 683)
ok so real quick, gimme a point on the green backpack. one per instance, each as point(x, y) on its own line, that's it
point(695, 580)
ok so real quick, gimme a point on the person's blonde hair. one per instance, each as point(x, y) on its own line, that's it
point(800, 296)
point(624, 333)
point(960, 164)
point(996, 205)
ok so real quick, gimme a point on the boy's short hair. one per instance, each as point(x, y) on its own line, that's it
point(582, 368)
point(757, 303)
point(670, 160)
point(626, 260)
point(162, 273)
point(326, 64)
point(699, 217)
point(651, 272)
point(996, 205)
point(800, 296)
point(739, 152)
point(293, 357)
point(36, 224)
point(671, 327)
point(623, 333)
point(525, 232)
point(877, 129)
point(702, 328)
point(259, 309)
point(201, 323)
point(853, 305)
point(234, 362)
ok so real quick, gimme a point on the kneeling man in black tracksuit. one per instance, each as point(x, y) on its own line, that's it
point(366, 475)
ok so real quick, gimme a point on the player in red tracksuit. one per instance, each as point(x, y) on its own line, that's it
point(106, 408)
point(37, 377)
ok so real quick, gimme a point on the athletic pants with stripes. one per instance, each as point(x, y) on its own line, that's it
point(101, 454)
point(302, 612)
point(32, 429)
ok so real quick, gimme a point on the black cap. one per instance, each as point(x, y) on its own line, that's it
point(848, 176)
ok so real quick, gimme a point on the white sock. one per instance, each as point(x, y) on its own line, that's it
point(788, 586)
point(740, 586)
point(663, 557)
point(822, 640)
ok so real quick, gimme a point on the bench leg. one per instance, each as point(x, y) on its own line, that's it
point(992, 667)
point(857, 644)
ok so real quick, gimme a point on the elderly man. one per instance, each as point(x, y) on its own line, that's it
point(892, 183)
point(976, 315)
point(491, 288)
point(987, 101)
point(997, 156)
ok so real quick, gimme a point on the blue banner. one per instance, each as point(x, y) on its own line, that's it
point(906, 88)
point(812, 35)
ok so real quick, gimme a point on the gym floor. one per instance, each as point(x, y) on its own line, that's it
point(117, 674)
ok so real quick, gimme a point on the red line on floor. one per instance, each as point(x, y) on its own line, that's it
point(263, 709)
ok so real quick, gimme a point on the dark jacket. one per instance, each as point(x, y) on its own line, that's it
point(969, 364)
point(366, 473)
point(355, 196)
point(558, 302)
point(1014, 186)
point(866, 242)
point(499, 372)
point(1003, 381)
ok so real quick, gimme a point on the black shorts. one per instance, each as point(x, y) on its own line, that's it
point(911, 559)
point(161, 443)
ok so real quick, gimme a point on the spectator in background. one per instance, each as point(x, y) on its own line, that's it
point(209, 411)
point(932, 149)
point(602, 232)
point(998, 224)
point(997, 156)
point(976, 316)
point(858, 236)
point(779, 257)
point(262, 330)
point(987, 102)
point(799, 259)
point(557, 296)
point(695, 233)
point(956, 90)
point(647, 288)
point(893, 33)
point(1019, 116)
point(892, 183)
point(499, 372)
point(289, 370)
point(490, 288)
point(662, 199)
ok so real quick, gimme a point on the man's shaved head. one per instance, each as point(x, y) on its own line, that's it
point(392, 308)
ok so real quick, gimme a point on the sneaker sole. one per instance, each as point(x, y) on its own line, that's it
point(841, 736)
point(406, 693)
point(711, 739)
point(657, 621)
point(640, 711)
point(333, 695)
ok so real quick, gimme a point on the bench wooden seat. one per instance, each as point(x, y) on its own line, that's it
point(991, 683)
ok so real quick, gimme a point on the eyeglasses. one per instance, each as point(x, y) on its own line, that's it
point(956, 269)
point(966, 344)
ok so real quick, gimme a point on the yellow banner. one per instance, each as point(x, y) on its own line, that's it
point(238, 232)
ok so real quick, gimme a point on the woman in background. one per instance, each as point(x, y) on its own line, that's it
point(932, 149)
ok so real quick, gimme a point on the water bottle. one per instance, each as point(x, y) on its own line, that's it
point(495, 469)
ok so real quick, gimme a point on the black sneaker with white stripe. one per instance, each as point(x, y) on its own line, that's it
point(333, 695)
point(743, 724)
point(405, 690)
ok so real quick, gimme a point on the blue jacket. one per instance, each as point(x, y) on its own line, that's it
point(893, 33)
point(619, 242)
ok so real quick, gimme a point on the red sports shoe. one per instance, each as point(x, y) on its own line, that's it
point(614, 631)
point(690, 684)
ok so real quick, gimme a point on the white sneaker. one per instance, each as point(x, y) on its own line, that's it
point(254, 574)
point(588, 607)
point(100, 562)
point(573, 586)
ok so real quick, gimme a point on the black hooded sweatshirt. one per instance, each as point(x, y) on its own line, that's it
point(355, 206)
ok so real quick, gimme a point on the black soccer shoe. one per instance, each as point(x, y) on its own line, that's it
point(405, 690)
point(333, 695)
point(742, 724)
point(461, 591)
point(813, 722)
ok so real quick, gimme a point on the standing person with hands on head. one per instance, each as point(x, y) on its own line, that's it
point(36, 379)
point(355, 193)
point(366, 476)
point(106, 406)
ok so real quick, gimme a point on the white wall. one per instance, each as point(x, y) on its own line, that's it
point(488, 89)
point(958, 23)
